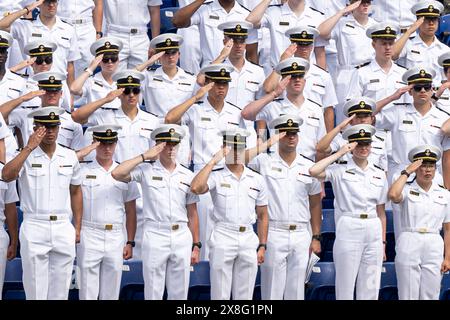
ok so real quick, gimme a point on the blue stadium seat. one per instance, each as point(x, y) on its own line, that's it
point(388, 286)
point(132, 285)
point(445, 287)
point(199, 282)
point(390, 237)
point(443, 32)
point(166, 20)
point(257, 290)
point(321, 285)
point(328, 232)
point(13, 287)
point(169, 3)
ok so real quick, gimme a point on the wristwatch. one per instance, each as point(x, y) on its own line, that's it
point(132, 243)
point(404, 172)
point(99, 33)
point(89, 71)
point(317, 237)
point(197, 244)
point(262, 245)
point(435, 97)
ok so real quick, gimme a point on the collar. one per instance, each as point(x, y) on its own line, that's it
point(432, 112)
point(99, 76)
point(215, 6)
point(159, 167)
point(351, 165)
point(434, 187)
point(286, 10)
point(95, 165)
point(247, 67)
point(59, 152)
point(297, 161)
point(207, 107)
point(59, 23)
point(246, 173)
point(121, 114)
point(159, 72)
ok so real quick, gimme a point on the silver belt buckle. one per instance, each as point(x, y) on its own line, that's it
point(133, 31)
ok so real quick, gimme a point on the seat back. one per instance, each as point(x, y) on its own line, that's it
point(388, 285)
point(390, 237)
point(321, 285)
point(12, 286)
point(328, 231)
point(199, 282)
point(445, 287)
point(166, 15)
point(132, 284)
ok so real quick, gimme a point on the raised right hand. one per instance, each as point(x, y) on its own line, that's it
point(95, 62)
point(32, 94)
point(351, 7)
point(345, 123)
point(34, 5)
point(289, 52)
point(414, 166)
point(114, 94)
point(152, 153)
point(203, 90)
point(281, 86)
point(348, 147)
point(36, 138)
point(220, 155)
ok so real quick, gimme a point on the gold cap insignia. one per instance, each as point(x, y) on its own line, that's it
point(362, 104)
point(422, 73)
point(238, 28)
point(168, 42)
point(388, 29)
point(52, 115)
point(304, 34)
point(290, 122)
point(41, 48)
point(222, 72)
point(51, 79)
point(237, 137)
point(130, 79)
point(108, 132)
point(430, 8)
point(107, 44)
point(427, 152)
point(171, 131)
point(294, 65)
point(362, 132)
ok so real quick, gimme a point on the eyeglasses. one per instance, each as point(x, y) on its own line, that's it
point(135, 91)
point(41, 59)
point(3, 50)
point(113, 59)
point(419, 87)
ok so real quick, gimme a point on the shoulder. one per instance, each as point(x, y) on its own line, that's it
point(363, 65)
point(218, 169)
point(255, 171)
point(315, 103)
point(400, 66)
point(275, 5)
point(306, 158)
point(320, 69)
point(316, 10)
point(65, 147)
point(442, 110)
point(148, 114)
point(85, 161)
point(234, 105)
point(378, 167)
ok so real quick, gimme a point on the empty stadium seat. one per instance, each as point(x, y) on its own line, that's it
point(166, 20)
point(390, 237)
point(13, 287)
point(132, 284)
point(388, 286)
point(445, 287)
point(321, 285)
point(257, 290)
point(199, 282)
point(328, 232)
point(443, 32)
point(169, 3)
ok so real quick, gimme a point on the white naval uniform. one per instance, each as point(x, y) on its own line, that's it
point(420, 247)
point(205, 124)
point(127, 20)
point(319, 87)
point(47, 246)
point(284, 269)
point(12, 86)
point(191, 51)
point(8, 194)
point(167, 241)
point(96, 88)
point(100, 251)
point(358, 248)
point(63, 34)
point(79, 14)
point(312, 129)
point(279, 18)
point(444, 101)
point(161, 94)
point(353, 48)
point(207, 18)
point(398, 12)
point(233, 243)
point(70, 133)
point(245, 87)
point(417, 53)
point(134, 139)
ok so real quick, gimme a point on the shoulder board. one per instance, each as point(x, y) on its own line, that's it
point(143, 110)
point(410, 182)
point(207, 3)
point(28, 19)
point(18, 74)
point(307, 158)
point(152, 68)
point(106, 108)
point(255, 63)
point(378, 167)
point(410, 38)
point(65, 146)
point(66, 22)
point(234, 105)
point(68, 111)
point(314, 9)
point(252, 170)
point(321, 68)
point(278, 99)
point(314, 102)
point(362, 65)
point(245, 8)
point(440, 109)
point(276, 5)
point(117, 162)
point(341, 161)
point(401, 66)
point(379, 138)
point(218, 169)
point(188, 72)
point(85, 161)
point(440, 185)
point(149, 161)
point(200, 102)
point(184, 166)
point(401, 104)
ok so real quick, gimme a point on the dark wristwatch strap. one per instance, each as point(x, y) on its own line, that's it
point(132, 243)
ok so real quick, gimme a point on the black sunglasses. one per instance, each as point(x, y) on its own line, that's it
point(3, 50)
point(419, 87)
point(41, 59)
point(113, 59)
point(135, 91)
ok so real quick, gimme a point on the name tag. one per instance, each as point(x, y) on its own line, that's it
point(185, 183)
point(225, 185)
point(156, 79)
point(350, 26)
point(277, 169)
point(407, 122)
point(157, 178)
point(414, 193)
point(416, 52)
point(36, 165)
point(374, 80)
point(36, 35)
point(214, 17)
point(205, 119)
point(375, 177)
point(184, 84)
point(65, 38)
point(284, 23)
point(251, 188)
point(254, 82)
point(349, 172)
point(98, 83)
point(91, 177)
point(65, 166)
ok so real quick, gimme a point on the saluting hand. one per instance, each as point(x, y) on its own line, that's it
point(289, 52)
point(414, 166)
point(345, 123)
point(34, 5)
point(401, 91)
point(33, 94)
point(114, 94)
point(222, 153)
point(348, 147)
point(351, 7)
point(226, 49)
point(95, 62)
point(152, 153)
point(281, 86)
point(36, 138)
point(203, 90)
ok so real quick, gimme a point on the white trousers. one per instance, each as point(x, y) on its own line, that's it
point(358, 258)
point(4, 243)
point(48, 251)
point(233, 263)
point(190, 51)
point(417, 265)
point(284, 269)
point(166, 260)
point(100, 260)
point(86, 37)
point(135, 48)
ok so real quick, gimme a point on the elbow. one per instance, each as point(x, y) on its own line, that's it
point(168, 119)
point(197, 189)
point(7, 176)
point(116, 175)
point(246, 115)
point(394, 197)
point(178, 22)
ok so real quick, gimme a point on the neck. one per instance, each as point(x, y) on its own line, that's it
point(237, 62)
point(384, 63)
point(130, 111)
point(426, 38)
point(287, 156)
point(48, 21)
point(108, 77)
point(216, 103)
point(227, 5)
point(297, 6)
point(49, 149)
point(362, 163)
point(168, 163)
point(171, 71)
point(296, 99)
point(236, 168)
point(105, 163)
point(361, 18)
point(425, 185)
point(422, 108)
point(2, 71)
